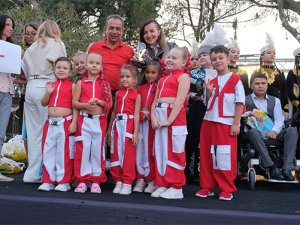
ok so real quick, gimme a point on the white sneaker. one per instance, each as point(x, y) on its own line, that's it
point(63, 187)
point(172, 193)
point(117, 188)
point(150, 188)
point(5, 178)
point(158, 191)
point(126, 189)
point(139, 185)
point(46, 187)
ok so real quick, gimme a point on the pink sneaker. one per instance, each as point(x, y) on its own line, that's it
point(203, 193)
point(225, 196)
point(95, 188)
point(81, 188)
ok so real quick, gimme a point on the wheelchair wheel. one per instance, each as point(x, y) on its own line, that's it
point(251, 178)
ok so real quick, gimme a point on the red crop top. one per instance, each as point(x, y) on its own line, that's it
point(168, 85)
point(62, 94)
point(126, 101)
point(91, 89)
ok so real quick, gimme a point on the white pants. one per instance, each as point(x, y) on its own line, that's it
point(36, 116)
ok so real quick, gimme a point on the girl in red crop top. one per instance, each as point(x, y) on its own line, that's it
point(62, 122)
point(168, 116)
point(124, 131)
point(92, 97)
point(144, 149)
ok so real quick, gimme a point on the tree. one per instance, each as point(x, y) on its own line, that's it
point(194, 18)
point(94, 13)
point(288, 12)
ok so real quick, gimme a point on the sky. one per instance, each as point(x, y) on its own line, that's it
point(252, 37)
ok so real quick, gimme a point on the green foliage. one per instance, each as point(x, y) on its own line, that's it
point(81, 22)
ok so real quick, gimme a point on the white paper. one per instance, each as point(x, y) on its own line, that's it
point(11, 62)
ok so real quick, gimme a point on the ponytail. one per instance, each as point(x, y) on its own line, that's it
point(106, 92)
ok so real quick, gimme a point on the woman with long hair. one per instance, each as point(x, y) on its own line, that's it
point(39, 59)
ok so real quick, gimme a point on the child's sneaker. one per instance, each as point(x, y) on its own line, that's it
point(158, 192)
point(117, 188)
point(139, 185)
point(81, 188)
point(172, 193)
point(63, 187)
point(203, 193)
point(150, 188)
point(225, 196)
point(5, 178)
point(46, 187)
point(95, 188)
point(126, 189)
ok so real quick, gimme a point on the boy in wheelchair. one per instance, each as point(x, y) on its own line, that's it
point(279, 134)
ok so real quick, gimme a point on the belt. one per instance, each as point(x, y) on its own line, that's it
point(91, 116)
point(123, 117)
point(34, 77)
point(60, 120)
point(164, 105)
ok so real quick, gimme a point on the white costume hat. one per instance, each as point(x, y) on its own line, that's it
point(269, 45)
point(297, 52)
point(216, 37)
point(233, 44)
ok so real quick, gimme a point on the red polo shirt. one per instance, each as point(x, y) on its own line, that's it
point(113, 60)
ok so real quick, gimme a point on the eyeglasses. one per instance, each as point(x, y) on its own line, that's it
point(30, 34)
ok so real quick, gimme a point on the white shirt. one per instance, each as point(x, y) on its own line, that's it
point(239, 97)
point(262, 104)
point(6, 83)
point(40, 60)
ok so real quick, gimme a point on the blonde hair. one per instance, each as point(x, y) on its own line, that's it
point(134, 72)
point(48, 29)
point(79, 53)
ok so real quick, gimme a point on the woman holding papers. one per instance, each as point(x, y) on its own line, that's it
point(38, 60)
point(7, 26)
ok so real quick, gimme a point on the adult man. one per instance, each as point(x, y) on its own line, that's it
point(288, 136)
point(114, 52)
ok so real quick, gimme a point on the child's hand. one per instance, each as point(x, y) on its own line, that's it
point(209, 87)
point(164, 124)
point(258, 117)
point(49, 88)
point(135, 138)
point(72, 128)
point(154, 123)
point(93, 101)
point(235, 130)
point(272, 134)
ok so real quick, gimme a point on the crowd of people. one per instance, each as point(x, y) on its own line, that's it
point(158, 129)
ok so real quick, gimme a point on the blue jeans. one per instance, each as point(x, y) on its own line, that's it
point(5, 108)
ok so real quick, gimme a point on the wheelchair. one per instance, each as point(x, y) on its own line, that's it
point(249, 163)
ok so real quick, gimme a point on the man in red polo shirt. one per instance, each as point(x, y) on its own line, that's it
point(115, 53)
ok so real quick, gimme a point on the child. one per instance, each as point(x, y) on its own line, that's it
point(275, 77)
point(234, 57)
point(144, 148)
point(93, 98)
point(225, 98)
point(168, 115)
point(124, 131)
point(79, 61)
point(57, 142)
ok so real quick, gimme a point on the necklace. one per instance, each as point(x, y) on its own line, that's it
point(270, 74)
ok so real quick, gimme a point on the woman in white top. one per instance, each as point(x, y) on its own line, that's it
point(7, 26)
point(38, 61)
